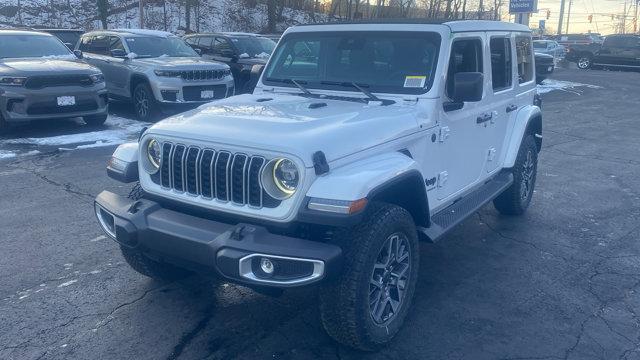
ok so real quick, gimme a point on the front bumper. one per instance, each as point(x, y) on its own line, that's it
point(233, 251)
point(19, 104)
point(175, 90)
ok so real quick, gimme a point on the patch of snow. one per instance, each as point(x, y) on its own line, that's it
point(101, 237)
point(243, 56)
point(60, 57)
point(131, 55)
point(5, 154)
point(263, 55)
point(93, 272)
point(146, 32)
point(549, 85)
point(64, 284)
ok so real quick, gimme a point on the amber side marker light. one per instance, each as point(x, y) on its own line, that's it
point(337, 206)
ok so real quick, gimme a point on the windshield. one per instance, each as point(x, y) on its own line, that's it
point(539, 45)
point(29, 46)
point(154, 46)
point(391, 62)
point(254, 46)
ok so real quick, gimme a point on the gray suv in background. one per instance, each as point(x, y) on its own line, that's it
point(154, 69)
point(41, 79)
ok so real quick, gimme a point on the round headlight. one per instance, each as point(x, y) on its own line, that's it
point(280, 178)
point(153, 155)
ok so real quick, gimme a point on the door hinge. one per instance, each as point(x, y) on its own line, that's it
point(442, 178)
point(444, 134)
point(491, 154)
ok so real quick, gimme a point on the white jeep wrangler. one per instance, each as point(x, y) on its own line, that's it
point(359, 140)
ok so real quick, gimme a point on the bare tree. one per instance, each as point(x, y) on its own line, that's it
point(103, 12)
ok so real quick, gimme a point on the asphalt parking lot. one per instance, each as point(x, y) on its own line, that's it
point(561, 282)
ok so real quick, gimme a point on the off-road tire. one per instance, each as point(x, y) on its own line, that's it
point(95, 120)
point(584, 62)
point(512, 201)
point(344, 303)
point(143, 264)
point(151, 110)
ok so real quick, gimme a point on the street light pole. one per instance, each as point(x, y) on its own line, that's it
point(569, 16)
point(561, 17)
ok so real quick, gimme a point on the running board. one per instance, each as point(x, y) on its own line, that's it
point(454, 214)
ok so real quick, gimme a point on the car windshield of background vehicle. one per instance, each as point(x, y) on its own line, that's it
point(30, 46)
point(68, 37)
point(388, 62)
point(154, 46)
point(254, 46)
point(540, 45)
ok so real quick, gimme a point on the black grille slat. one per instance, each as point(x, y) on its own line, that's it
point(178, 167)
point(213, 174)
point(164, 166)
point(43, 81)
point(223, 160)
point(191, 178)
point(238, 168)
point(206, 173)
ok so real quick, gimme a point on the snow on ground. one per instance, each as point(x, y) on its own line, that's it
point(549, 85)
point(116, 130)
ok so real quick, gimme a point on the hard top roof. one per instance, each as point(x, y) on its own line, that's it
point(133, 32)
point(23, 32)
point(454, 26)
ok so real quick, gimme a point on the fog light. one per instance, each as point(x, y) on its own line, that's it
point(266, 266)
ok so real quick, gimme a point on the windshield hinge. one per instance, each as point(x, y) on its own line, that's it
point(411, 100)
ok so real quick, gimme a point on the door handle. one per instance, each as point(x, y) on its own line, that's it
point(511, 108)
point(484, 118)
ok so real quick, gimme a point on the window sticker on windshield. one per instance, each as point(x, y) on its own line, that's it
point(414, 81)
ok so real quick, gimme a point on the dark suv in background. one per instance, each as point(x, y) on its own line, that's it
point(241, 51)
point(617, 51)
point(41, 79)
point(69, 37)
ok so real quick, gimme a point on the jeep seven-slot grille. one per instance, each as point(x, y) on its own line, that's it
point(192, 75)
point(214, 174)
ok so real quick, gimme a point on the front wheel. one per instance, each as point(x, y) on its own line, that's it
point(516, 199)
point(144, 103)
point(368, 303)
point(584, 62)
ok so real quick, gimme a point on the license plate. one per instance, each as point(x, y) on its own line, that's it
point(206, 94)
point(66, 100)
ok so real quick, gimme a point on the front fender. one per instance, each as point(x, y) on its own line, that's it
point(527, 117)
point(123, 165)
point(356, 180)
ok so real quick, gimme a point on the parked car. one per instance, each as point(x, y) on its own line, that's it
point(545, 65)
point(241, 51)
point(274, 37)
point(41, 79)
point(358, 140)
point(154, 70)
point(617, 51)
point(578, 39)
point(550, 47)
point(69, 37)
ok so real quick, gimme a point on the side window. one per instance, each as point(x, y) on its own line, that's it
point(466, 56)
point(222, 47)
point(192, 40)
point(206, 42)
point(524, 54)
point(85, 44)
point(501, 63)
point(100, 45)
point(115, 44)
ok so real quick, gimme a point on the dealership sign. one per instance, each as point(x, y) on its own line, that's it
point(523, 6)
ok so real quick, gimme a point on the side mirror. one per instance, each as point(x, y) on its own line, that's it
point(78, 54)
point(118, 53)
point(468, 86)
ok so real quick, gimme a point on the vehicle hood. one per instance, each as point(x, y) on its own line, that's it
point(44, 66)
point(287, 124)
point(181, 63)
point(253, 61)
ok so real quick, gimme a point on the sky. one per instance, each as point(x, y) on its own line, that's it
point(602, 10)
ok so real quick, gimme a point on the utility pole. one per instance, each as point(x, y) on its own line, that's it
point(569, 16)
point(141, 10)
point(561, 17)
point(635, 23)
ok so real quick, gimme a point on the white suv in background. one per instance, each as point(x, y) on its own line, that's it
point(154, 69)
point(359, 140)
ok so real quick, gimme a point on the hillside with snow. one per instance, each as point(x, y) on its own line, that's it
point(209, 15)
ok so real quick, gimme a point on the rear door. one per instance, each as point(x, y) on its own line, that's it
point(116, 70)
point(611, 52)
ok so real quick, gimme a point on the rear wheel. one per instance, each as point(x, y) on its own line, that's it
point(367, 305)
point(516, 199)
point(144, 102)
point(143, 264)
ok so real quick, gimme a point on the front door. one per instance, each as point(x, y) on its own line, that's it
point(463, 132)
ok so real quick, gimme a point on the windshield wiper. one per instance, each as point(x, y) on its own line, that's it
point(353, 84)
point(297, 83)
